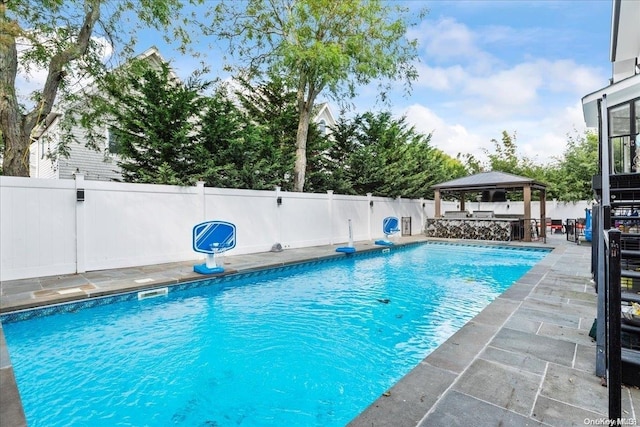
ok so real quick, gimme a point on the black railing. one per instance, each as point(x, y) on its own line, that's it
point(575, 229)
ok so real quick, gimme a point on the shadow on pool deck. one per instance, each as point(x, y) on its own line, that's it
point(526, 359)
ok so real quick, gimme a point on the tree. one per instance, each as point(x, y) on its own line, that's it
point(317, 45)
point(505, 158)
point(579, 164)
point(60, 36)
point(154, 119)
point(390, 158)
point(343, 144)
point(471, 164)
point(271, 106)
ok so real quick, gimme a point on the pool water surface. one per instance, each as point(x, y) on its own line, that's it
point(312, 345)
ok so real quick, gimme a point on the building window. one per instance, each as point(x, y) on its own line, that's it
point(114, 141)
point(624, 126)
point(322, 127)
point(637, 108)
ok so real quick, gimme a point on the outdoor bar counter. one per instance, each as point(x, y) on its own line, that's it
point(481, 226)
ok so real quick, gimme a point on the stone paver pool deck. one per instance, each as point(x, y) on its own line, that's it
point(525, 360)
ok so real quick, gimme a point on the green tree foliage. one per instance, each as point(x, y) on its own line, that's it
point(319, 165)
point(567, 179)
point(343, 144)
point(317, 45)
point(238, 133)
point(390, 158)
point(471, 164)
point(67, 38)
point(572, 177)
point(505, 157)
point(154, 118)
point(272, 106)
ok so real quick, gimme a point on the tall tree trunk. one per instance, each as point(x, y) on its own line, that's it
point(15, 128)
point(306, 94)
point(300, 166)
point(15, 161)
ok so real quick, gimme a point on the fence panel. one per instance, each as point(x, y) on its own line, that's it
point(37, 227)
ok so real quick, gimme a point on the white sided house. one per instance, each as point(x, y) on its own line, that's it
point(615, 109)
point(102, 165)
point(97, 165)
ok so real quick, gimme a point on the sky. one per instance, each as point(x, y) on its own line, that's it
point(484, 67)
point(515, 66)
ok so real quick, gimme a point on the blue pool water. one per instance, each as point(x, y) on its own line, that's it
point(307, 346)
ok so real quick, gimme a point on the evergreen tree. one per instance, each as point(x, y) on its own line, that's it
point(342, 145)
point(154, 119)
point(233, 146)
point(392, 159)
point(271, 106)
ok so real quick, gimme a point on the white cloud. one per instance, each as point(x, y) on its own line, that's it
point(546, 138)
point(539, 138)
point(515, 87)
point(450, 138)
point(439, 78)
point(448, 41)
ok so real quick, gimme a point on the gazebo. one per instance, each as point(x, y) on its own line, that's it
point(492, 186)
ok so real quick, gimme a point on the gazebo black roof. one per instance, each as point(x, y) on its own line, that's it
point(489, 181)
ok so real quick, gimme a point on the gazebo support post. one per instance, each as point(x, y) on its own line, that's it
point(527, 213)
point(437, 200)
point(543, 215)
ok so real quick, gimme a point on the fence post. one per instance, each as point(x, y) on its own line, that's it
point(201, 199)
point(330, 210)
point(422, 207)
point(369, 213)
point(80, 224)
point(614, 351)
point(278, 199)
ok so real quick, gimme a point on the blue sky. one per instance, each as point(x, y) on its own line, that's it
point(485, 67)
point(523, 67)
point(489, 66)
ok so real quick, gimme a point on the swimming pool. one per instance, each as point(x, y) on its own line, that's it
point(307, 345)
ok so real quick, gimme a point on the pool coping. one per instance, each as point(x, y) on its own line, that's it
point(400, 407)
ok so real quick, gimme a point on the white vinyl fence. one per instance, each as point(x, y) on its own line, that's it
point(46, 229)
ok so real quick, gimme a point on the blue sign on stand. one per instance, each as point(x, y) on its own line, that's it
point(211, 238)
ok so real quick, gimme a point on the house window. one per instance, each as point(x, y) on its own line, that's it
point(624, 125)
point(114, 141)
point(637, 108)
point(322, 127)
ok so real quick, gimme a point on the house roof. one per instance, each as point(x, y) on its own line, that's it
point(488, 181)
point(625, 38)
point(625, 60)
point(321, 109)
